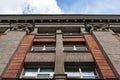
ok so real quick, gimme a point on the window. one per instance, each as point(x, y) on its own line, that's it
point(81, 72)
point(43, 48)
point(118, 33)
point(45, 35)
point(30, 72)
point(75, 48)
point(72, 34)
point(72, 72)
point(39, 73)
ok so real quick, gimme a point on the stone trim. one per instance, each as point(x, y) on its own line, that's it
point(16, 65)
point(102, 64)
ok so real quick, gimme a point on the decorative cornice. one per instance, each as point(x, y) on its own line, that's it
point(96, 27)
point(22, 27)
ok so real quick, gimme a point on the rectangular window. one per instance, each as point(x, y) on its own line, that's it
point(30, 72)
point(45, 35)
point(41, 73)
point(89, 72)
point(46, 72)
point(42, 48)
point(72, 34)
point(81, 72)
point(81, 48)
point(118, 34)
point(72, 72)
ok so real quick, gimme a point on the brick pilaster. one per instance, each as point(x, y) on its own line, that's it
point(102, 64)
point(16, 65)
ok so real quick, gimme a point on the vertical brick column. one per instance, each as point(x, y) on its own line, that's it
point(8, 46)
point(16, 65)
point(59, 58)
point(111, 48)
point(103, 66)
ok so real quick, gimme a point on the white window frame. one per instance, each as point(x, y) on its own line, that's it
point(42, 47)
point(38, 72)
point(81, 76)
point(23, 76)
point(75, 48)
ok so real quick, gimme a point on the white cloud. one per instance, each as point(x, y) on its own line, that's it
point(42, 7)
point(11, 6)
point(29, 7)
point(51, 7)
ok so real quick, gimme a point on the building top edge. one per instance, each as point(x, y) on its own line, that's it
point(59, 14)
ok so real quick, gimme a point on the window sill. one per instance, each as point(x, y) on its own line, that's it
point(76, 51)
point(41, 51)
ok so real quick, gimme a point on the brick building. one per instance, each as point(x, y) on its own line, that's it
point(60, 47)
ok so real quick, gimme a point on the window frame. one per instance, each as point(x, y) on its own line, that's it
point(45, 34)
point(43, 48)
point(75, 48)
point(96, 75)
point(72, 34)
point(38, 73)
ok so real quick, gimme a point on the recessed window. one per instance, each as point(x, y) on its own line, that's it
point(117, 33)
point(43, 48)
point(81, 72)
point(30, 72)
point(72, 34)
point(39, 73)
point(81, 48)
point(45, 35)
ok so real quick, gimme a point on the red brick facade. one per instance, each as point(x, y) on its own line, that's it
point(73, 39)
point(49, 40)
point(103, 67)
point(90, 43)
point(16, 65)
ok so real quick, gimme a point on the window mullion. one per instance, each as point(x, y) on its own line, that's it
point(80, 73)
point(38, 71)
point(44, 47)
point(32, 48)
point(96, 76)
point(22, 73)
point(74, 48)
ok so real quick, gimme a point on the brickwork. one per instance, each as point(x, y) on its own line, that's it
point(48, 40)
point(78, 57)
point(103, 66)
point(103, 47)
point(1, 36)
point(40, 57)
point(59, 56)
point(8, 46)
point(16, 65)
point(79, 39)
point(111, 48)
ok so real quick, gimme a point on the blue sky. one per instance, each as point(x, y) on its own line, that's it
point(90, 6)
point(60, 7)
point(73, 6)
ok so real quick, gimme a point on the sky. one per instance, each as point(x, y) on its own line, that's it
point(59, 6)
